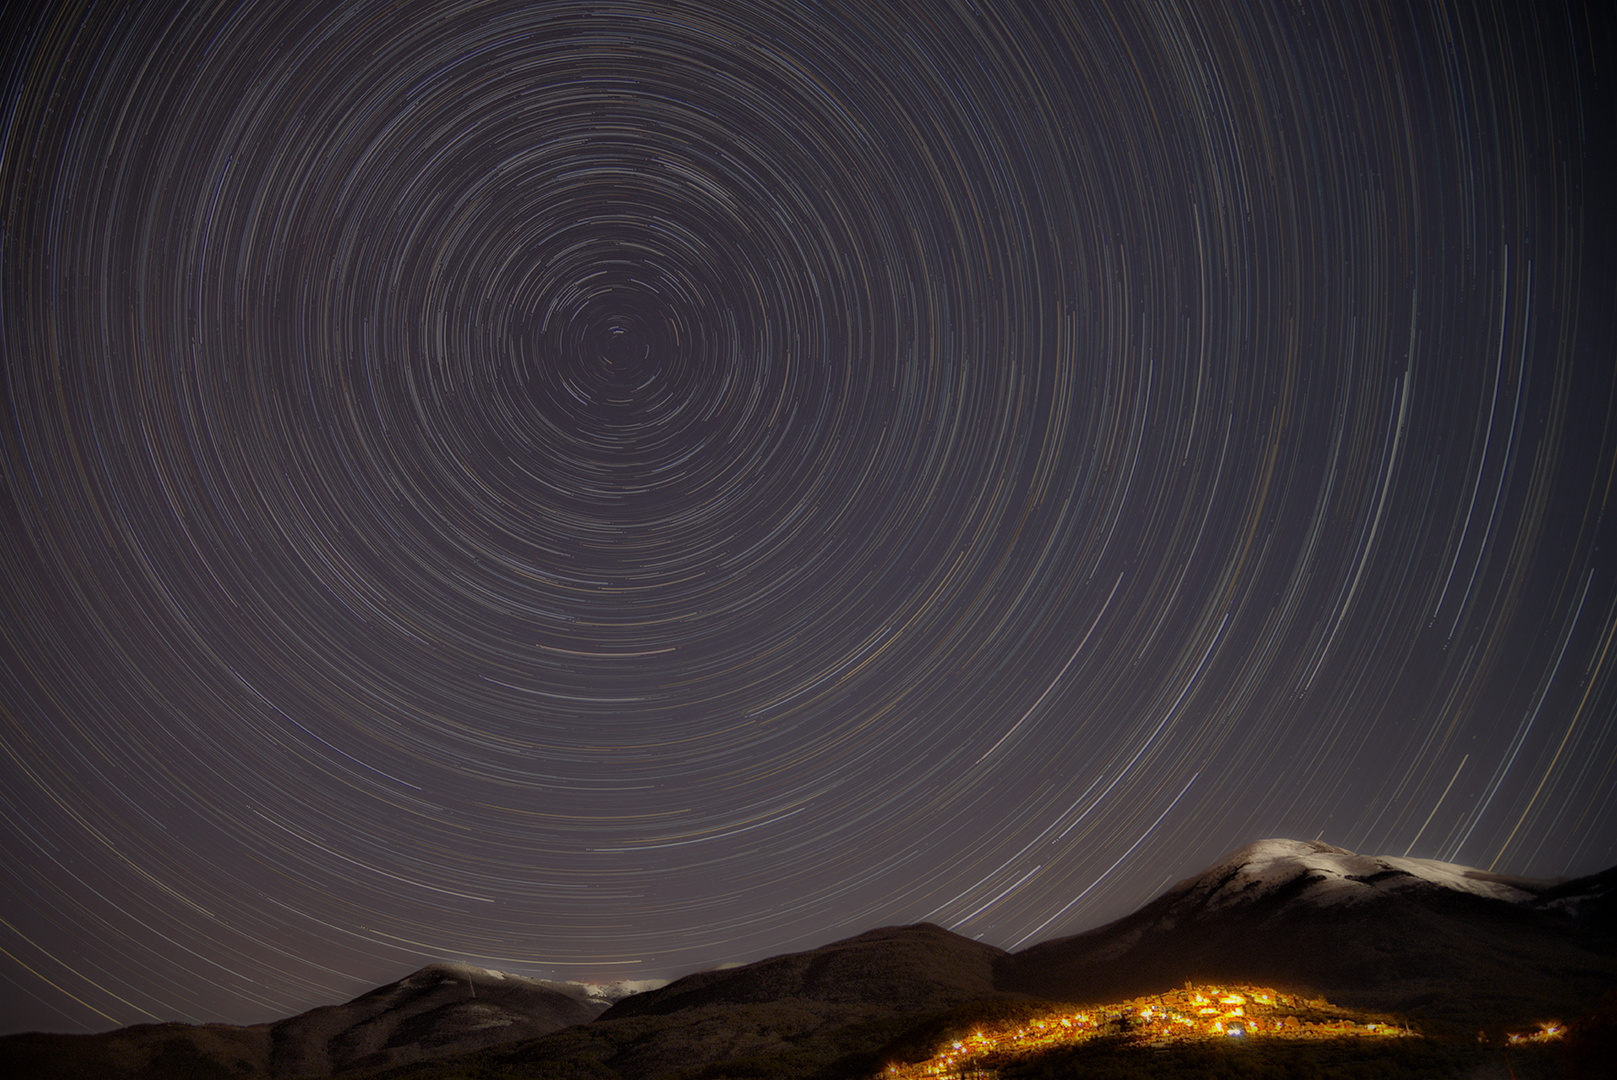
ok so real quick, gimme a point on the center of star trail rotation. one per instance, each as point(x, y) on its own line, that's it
point(600, 491)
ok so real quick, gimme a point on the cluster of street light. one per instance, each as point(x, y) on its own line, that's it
point(1155, 1021)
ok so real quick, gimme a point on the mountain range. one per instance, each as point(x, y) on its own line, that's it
point(1454, 947)
point(1417, 936)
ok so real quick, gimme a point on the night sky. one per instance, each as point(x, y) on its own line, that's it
point(604, 489)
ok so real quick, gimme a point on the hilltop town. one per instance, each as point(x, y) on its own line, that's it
point(1194, 1014)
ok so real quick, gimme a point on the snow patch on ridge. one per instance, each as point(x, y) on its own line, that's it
point(602, 994)
point(1337, 876)
point(613, 992)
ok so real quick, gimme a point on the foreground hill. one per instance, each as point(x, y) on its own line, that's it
point(1412, 935)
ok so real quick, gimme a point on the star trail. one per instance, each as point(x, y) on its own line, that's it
point(601, 490)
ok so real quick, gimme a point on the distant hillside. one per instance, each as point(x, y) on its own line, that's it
point(440, 1011)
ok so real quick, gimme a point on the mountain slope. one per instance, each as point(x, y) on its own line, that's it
point(804, 1014)
point(440, 1011)
point(1413, 935)
point(899, 968)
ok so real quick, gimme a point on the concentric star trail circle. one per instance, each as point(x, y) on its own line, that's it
point(600, 491)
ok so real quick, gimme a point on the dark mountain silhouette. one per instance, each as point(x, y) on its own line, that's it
point(439, 1011)
point(1447, 943)
point(903, 968)
point(1411, 935)
point(1457, 946)
point(801, 1014)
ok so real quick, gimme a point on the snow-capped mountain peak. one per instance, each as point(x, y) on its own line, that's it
point(1331, 875)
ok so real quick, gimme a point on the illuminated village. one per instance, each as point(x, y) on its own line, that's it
point(1156, 1021)
point(1159, 1021)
